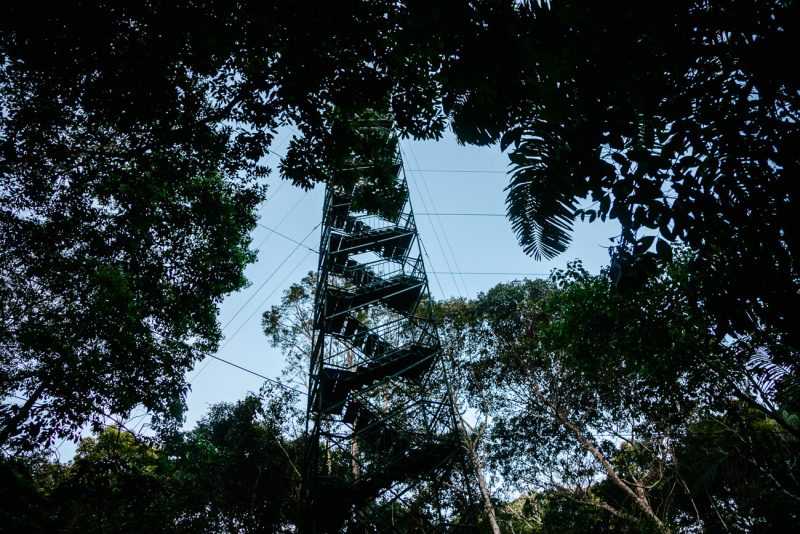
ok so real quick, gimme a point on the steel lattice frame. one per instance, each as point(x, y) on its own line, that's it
point(382, 427)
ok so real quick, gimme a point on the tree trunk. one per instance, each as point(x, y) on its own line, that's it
point(638, 496)
point(10, 428)
point(488, 505)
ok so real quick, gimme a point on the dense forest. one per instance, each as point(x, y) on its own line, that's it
point(661, 394)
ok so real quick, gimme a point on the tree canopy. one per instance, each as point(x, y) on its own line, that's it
point(602, 413)
point(236, 471)
point(132, 144)
point(678, 121)
point(132, 139)
point(625, 408)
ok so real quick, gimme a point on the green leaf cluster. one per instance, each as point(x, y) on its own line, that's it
point(234, 472)
point(625, 411)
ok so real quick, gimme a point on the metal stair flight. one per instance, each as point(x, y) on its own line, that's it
point(380, 418)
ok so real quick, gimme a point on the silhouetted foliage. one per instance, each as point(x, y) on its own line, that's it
point(625, 411)
point(235, 472)
point(132, 139)
point(132, 133)
point(679, 121)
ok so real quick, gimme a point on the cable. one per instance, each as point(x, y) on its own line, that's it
point(490, 273)
point(272, 196)
point(270, 277)
point(422, 244)
point(281, 221)
point(280, 284)
point(268, 379)
point(287, 237)
point(282, 182)
point(463, 214)
point(434, 273)
point(444, 232)
point(457, 171)
point(435, 233)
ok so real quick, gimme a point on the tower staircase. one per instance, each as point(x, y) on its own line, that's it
point(380, 418)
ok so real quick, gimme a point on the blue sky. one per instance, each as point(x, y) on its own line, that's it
point(444, 178)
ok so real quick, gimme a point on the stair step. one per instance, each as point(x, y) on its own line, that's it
point(391, 242)
point(374, 431)
point(409, 463)
point(399, 293)
point(335, 384)
point(409, 362)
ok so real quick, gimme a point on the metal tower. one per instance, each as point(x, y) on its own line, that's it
point(382, 427)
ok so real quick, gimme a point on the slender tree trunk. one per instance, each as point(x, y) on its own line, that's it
point(488, 505)
point(10, 428)
point(328, 456)
point(638, 495)
point(355, 467)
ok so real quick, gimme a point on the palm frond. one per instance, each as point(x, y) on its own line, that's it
point(768, 373)
point(778, 382)
point(541, 201)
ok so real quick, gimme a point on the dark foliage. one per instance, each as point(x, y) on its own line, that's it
point(233, 473)
point(132, 132)
point(621, 411)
